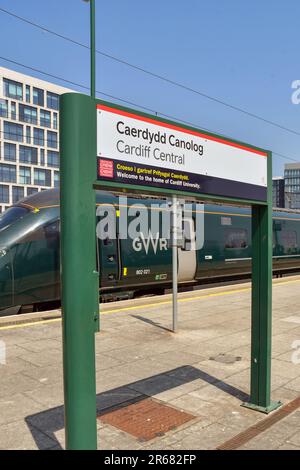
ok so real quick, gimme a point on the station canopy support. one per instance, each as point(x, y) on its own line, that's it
point(80, 279)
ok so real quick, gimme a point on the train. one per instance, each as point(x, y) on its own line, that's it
point(131, 267)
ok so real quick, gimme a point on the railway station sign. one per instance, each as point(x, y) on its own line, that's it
point(138, 149)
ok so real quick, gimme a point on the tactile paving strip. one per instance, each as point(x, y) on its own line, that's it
point(245, 436)
point(146, 419)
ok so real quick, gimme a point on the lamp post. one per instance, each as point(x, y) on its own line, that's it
point(92, 46)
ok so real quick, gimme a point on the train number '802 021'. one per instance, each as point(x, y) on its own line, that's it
point(140, 272)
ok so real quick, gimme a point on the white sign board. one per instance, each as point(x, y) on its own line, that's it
point(142, 150)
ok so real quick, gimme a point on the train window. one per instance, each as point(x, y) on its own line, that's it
point(188, 234)
point(236, 238)
point(289, 239)
point(11, 215)
point(47, 232)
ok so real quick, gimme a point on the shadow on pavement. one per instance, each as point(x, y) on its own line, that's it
point(51, 421)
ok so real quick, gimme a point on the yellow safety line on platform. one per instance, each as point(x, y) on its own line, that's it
point(138, 307)
point(33, 323)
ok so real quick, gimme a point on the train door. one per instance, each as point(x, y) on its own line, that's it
point(187, 262)
point(108, 261)
point(6, 279)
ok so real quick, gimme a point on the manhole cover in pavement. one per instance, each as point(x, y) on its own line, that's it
point(146, 419)
point(225, 358)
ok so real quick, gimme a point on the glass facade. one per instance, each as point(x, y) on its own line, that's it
point(17, 193)
point(292, 185)
point(56, 179)
point(45, 118)
point(13, 110)
point(4, 193)
point(27, 114)
point(28, 155)
point(12, 89)
point(42, 157)
point(42, 177)
point(53, 158)
point(32, 191)
point(13, 131)
point(10, 152)
point(29, 135)
point(52, 100)
point(38, 96)
point(52, 139)
point(38, 136)
point(27, 94)
point(8, 173)
point(55, 121)
point(3, 108)
point(24, 175)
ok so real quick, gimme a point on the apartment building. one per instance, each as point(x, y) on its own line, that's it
point(29, 135)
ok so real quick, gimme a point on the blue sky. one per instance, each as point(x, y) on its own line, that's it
point(243, 52)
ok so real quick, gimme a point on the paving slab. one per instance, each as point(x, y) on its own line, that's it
point(204, 370)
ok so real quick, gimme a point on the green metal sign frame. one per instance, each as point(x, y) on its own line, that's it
point(80, 279)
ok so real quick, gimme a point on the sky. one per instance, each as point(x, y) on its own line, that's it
point(244, 53)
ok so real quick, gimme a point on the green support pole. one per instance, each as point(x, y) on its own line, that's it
point(261, 327)
point(93, 48)
point(80, 281)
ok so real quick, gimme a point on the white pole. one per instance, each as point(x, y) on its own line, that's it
point(174, 231)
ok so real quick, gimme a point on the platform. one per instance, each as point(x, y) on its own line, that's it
point(156, 389)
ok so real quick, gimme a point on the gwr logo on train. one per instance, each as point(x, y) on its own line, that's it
point(155, 242)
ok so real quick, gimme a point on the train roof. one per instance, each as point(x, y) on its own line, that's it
point(47, 198)
point(51, 198)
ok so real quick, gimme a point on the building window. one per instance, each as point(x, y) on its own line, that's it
point(12, 89)
point(54, 120)
point(28, 154)
point(4, 193)
point(13, 110)
point(27, 114)
point(52, 158)
point(28, 135)
point(3, 108)
point(13, 131)
point(27, 94)
point(24, 175)
point(52, 100)
point(38, 96)
point(7, 173)
point(10, 152)
point(42, 177)
point(38, 136)
point(32, 191)
point(17, 193)
point(56, 179)
point(52, 139)
point(45, 118)
point(42, 157)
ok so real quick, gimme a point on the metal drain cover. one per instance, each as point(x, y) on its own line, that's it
point(226, 358)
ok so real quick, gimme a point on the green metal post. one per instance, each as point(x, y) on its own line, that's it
point(79, 278)
point(93, 48)
point(261, 328)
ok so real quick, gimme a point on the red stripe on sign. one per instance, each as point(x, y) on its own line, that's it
point(181, 129)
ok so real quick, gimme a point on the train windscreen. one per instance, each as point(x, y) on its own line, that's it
point(11, 215)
